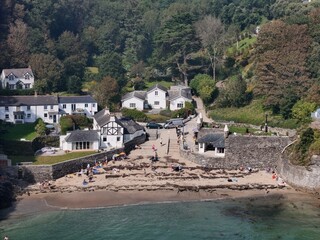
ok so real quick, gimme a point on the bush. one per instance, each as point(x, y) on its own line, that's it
point(81, 121)
point(134, 114)
point(66, 124)
point(45, 141)
point(166, 113)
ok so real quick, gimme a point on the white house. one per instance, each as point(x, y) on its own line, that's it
point(212, 141)
point(17, 78)
point(157, 97)
point(108, 133)
point(27, 109)
point(83, 105)
point(135, 100)
point(80, 140)
point(178, 96)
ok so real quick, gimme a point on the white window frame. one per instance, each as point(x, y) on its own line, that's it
point(156, 103)
point(179, 105)
point(132, 105)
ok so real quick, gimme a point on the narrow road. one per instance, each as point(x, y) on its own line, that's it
point(201, 109)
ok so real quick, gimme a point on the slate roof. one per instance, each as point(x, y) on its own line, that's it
point(138, 94)
point(157, 86)
point(83, 136)
point(28, 100)
point(216, 139)
point(77, 99)
point(129, 125)
point(18, 72)
point(102, 117)
point(174, 94)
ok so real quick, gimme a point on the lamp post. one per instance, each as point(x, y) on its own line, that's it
point(266, 124)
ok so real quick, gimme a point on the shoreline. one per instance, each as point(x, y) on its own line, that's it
point(43, 202)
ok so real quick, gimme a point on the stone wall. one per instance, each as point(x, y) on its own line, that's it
point(305, 178)
point(38, 173)
point(247, 151)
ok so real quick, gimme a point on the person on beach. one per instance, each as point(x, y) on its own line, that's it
point(160, 141)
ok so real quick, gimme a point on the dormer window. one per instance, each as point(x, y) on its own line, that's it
point(11, 77)
point(27, 77)
point(156, 93)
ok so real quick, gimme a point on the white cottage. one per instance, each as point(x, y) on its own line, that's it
point(80, 140)
point(27, 109)
point(17, 78)
point(135, 100)
point(157, 97)
point(212, 141)
point(83, 105)
point(178, 96)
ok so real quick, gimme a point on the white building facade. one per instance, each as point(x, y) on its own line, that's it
point(27, 109)
point(19, 78)
point(157, 97)
point(134, 100)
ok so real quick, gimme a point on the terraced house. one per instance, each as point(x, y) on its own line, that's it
point(27, 109)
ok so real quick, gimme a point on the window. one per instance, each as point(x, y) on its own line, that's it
point(27, 86)
point(73, 107)
point(11, 77)
point(86, 105)
point(132, 105)
point(156, 103)
point(82, 145)
point(118, 139)
point(28, 115)
point(104, 139)
point(51, 107)
point(27, 76)
point(220, 150)
point(11, 86)
point(180, 105)
point(7, 116)
point(156, 93)
point(6, 108)
point(28, 108)
point(45, 107)
point(45, 115)
point(64, 106)
point(93, 105)
point(50, 116)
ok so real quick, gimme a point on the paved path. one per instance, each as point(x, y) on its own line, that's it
point(201, 109)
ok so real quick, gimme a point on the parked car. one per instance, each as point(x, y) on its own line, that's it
point(153, 125)
point(173, 123)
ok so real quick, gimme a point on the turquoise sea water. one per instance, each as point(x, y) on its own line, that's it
point(223, 219)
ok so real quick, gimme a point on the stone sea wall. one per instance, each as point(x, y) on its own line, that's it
point(247, 151)
point(305, 178)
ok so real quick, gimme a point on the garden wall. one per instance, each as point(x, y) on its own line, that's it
point(38, 173)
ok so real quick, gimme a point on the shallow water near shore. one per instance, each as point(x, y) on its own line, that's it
point(251, 218)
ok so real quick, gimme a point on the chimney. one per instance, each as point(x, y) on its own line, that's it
point(226, 131)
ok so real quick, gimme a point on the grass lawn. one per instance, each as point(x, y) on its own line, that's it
point(243, 44)
point(39, 160)
point(163, 83)
point(251, 114)
point(18, 131)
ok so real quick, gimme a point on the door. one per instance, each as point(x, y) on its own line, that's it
point(54, 118)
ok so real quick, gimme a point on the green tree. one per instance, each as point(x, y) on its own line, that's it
point(105, 90)
point(203, 86)
point(174, 44)
point(40, 128)
point(302, 111)
point(281, 57)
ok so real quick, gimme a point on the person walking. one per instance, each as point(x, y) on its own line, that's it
point(160, 141)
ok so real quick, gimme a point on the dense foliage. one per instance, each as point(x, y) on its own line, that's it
point(107, 47)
